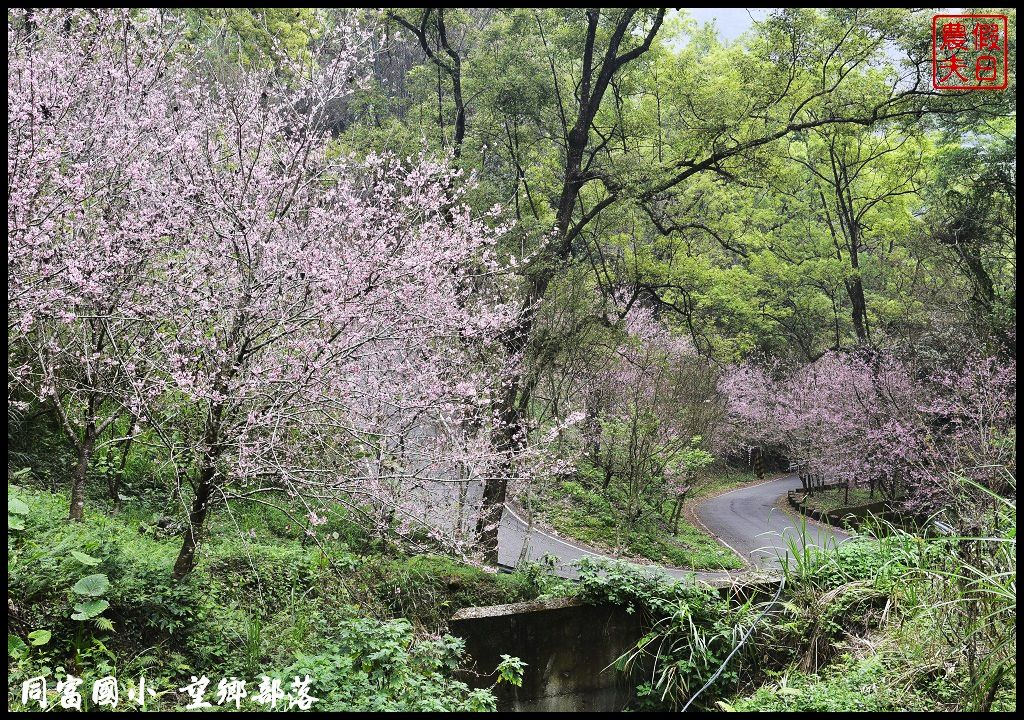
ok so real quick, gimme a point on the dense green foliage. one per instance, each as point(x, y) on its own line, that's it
point(896, 623)
point(755, 253)
point(848, 685)
point(368, 626)
point(583, 511)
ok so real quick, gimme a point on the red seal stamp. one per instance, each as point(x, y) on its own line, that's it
point(969, 52)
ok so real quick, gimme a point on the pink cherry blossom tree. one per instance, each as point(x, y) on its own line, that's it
point(650, 401)
point(318, 308)
point(285, 317)
point(88, 130)
point(916, 432)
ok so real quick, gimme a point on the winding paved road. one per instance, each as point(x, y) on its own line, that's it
point(745, 519)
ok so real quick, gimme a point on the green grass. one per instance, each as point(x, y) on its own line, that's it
point(585, 514)
point(893, 623)
point(849, 685)
point(260, 600)
point(835, 499)
point(691, 548)
point(719, 479)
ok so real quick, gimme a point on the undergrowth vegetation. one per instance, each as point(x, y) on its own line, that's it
point(837, 498)
point(96, 598)
point(583, 510)
point(887, 621)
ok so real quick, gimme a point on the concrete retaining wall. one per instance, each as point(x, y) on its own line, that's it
point(852, 517)
point(566, 645)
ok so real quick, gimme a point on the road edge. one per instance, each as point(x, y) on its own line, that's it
point(642, 562)
point(690, 510)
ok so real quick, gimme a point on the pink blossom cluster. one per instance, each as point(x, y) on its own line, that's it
point(877, 418)
point(188, 245)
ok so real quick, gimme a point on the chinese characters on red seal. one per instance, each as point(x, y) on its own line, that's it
point(969, 52)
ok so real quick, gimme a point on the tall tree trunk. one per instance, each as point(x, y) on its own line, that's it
point(81, 470)
point(516, 394)
point(196, 519)
point(850, 222)
point(452, 68)
point(495, 490)
point(84, 448)
point(855, 289)
point(514, 401)
point(201, 502)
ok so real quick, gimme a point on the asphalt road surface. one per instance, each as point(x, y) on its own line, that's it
point(748, 521)
point(745, 519)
